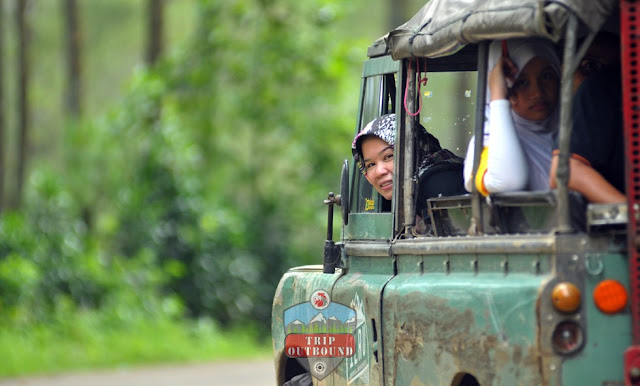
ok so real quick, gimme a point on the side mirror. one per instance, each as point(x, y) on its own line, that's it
point(344, 192)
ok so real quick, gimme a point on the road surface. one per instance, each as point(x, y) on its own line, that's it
point(249, 373)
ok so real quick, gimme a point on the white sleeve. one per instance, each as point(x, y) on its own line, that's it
point(468, 165)
point(507, 168)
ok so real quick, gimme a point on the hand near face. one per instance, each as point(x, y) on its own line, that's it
point(501, 77)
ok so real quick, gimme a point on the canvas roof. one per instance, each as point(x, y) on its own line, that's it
point(442, 27)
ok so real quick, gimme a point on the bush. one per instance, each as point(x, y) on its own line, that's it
point(197, 193)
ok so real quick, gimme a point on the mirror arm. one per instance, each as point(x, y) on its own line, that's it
point(331, 256)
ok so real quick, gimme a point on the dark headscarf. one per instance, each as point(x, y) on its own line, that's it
point(427, 146)
point(383, 127)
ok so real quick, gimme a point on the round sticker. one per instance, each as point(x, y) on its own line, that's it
point(320, 300)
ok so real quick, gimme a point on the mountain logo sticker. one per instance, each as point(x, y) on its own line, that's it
point(319, 333)
point(320, 300)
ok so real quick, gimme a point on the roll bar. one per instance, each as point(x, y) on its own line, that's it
point(571, 58)
point(476, 199)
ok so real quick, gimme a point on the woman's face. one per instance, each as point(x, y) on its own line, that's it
point(534, 94)
point(377, 156)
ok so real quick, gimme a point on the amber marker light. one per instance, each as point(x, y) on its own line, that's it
point(610, 296)
point(566, 297)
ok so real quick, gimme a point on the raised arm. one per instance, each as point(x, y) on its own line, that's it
point(503, 166)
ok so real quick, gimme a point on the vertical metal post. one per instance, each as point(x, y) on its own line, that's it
point(476, 227)
point(630, 44)
point(407, 181)
point(398, 223)
point(564, 136)
point(331, 254)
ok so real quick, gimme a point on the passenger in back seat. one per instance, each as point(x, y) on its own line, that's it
point(521, 118)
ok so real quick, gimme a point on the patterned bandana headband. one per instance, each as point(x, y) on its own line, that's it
point(383, 127)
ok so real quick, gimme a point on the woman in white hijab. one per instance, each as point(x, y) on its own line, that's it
point(521, 118)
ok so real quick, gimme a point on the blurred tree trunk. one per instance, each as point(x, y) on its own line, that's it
point(74, 69)
point(154, 30)
point(398, 13)
point(2, 120)
point(23, 108)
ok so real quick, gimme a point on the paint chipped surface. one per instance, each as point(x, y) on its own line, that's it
point(435, 337)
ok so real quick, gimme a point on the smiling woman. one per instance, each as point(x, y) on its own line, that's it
point(378, 164)
point(373, 150)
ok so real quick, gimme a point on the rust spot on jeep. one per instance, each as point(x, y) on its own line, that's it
point(453, 341)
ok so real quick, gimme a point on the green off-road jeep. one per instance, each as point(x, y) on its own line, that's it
point(522, 288)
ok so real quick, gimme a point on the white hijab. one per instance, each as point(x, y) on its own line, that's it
point(536, 137)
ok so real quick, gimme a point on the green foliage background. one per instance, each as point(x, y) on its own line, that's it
point(192, 195)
